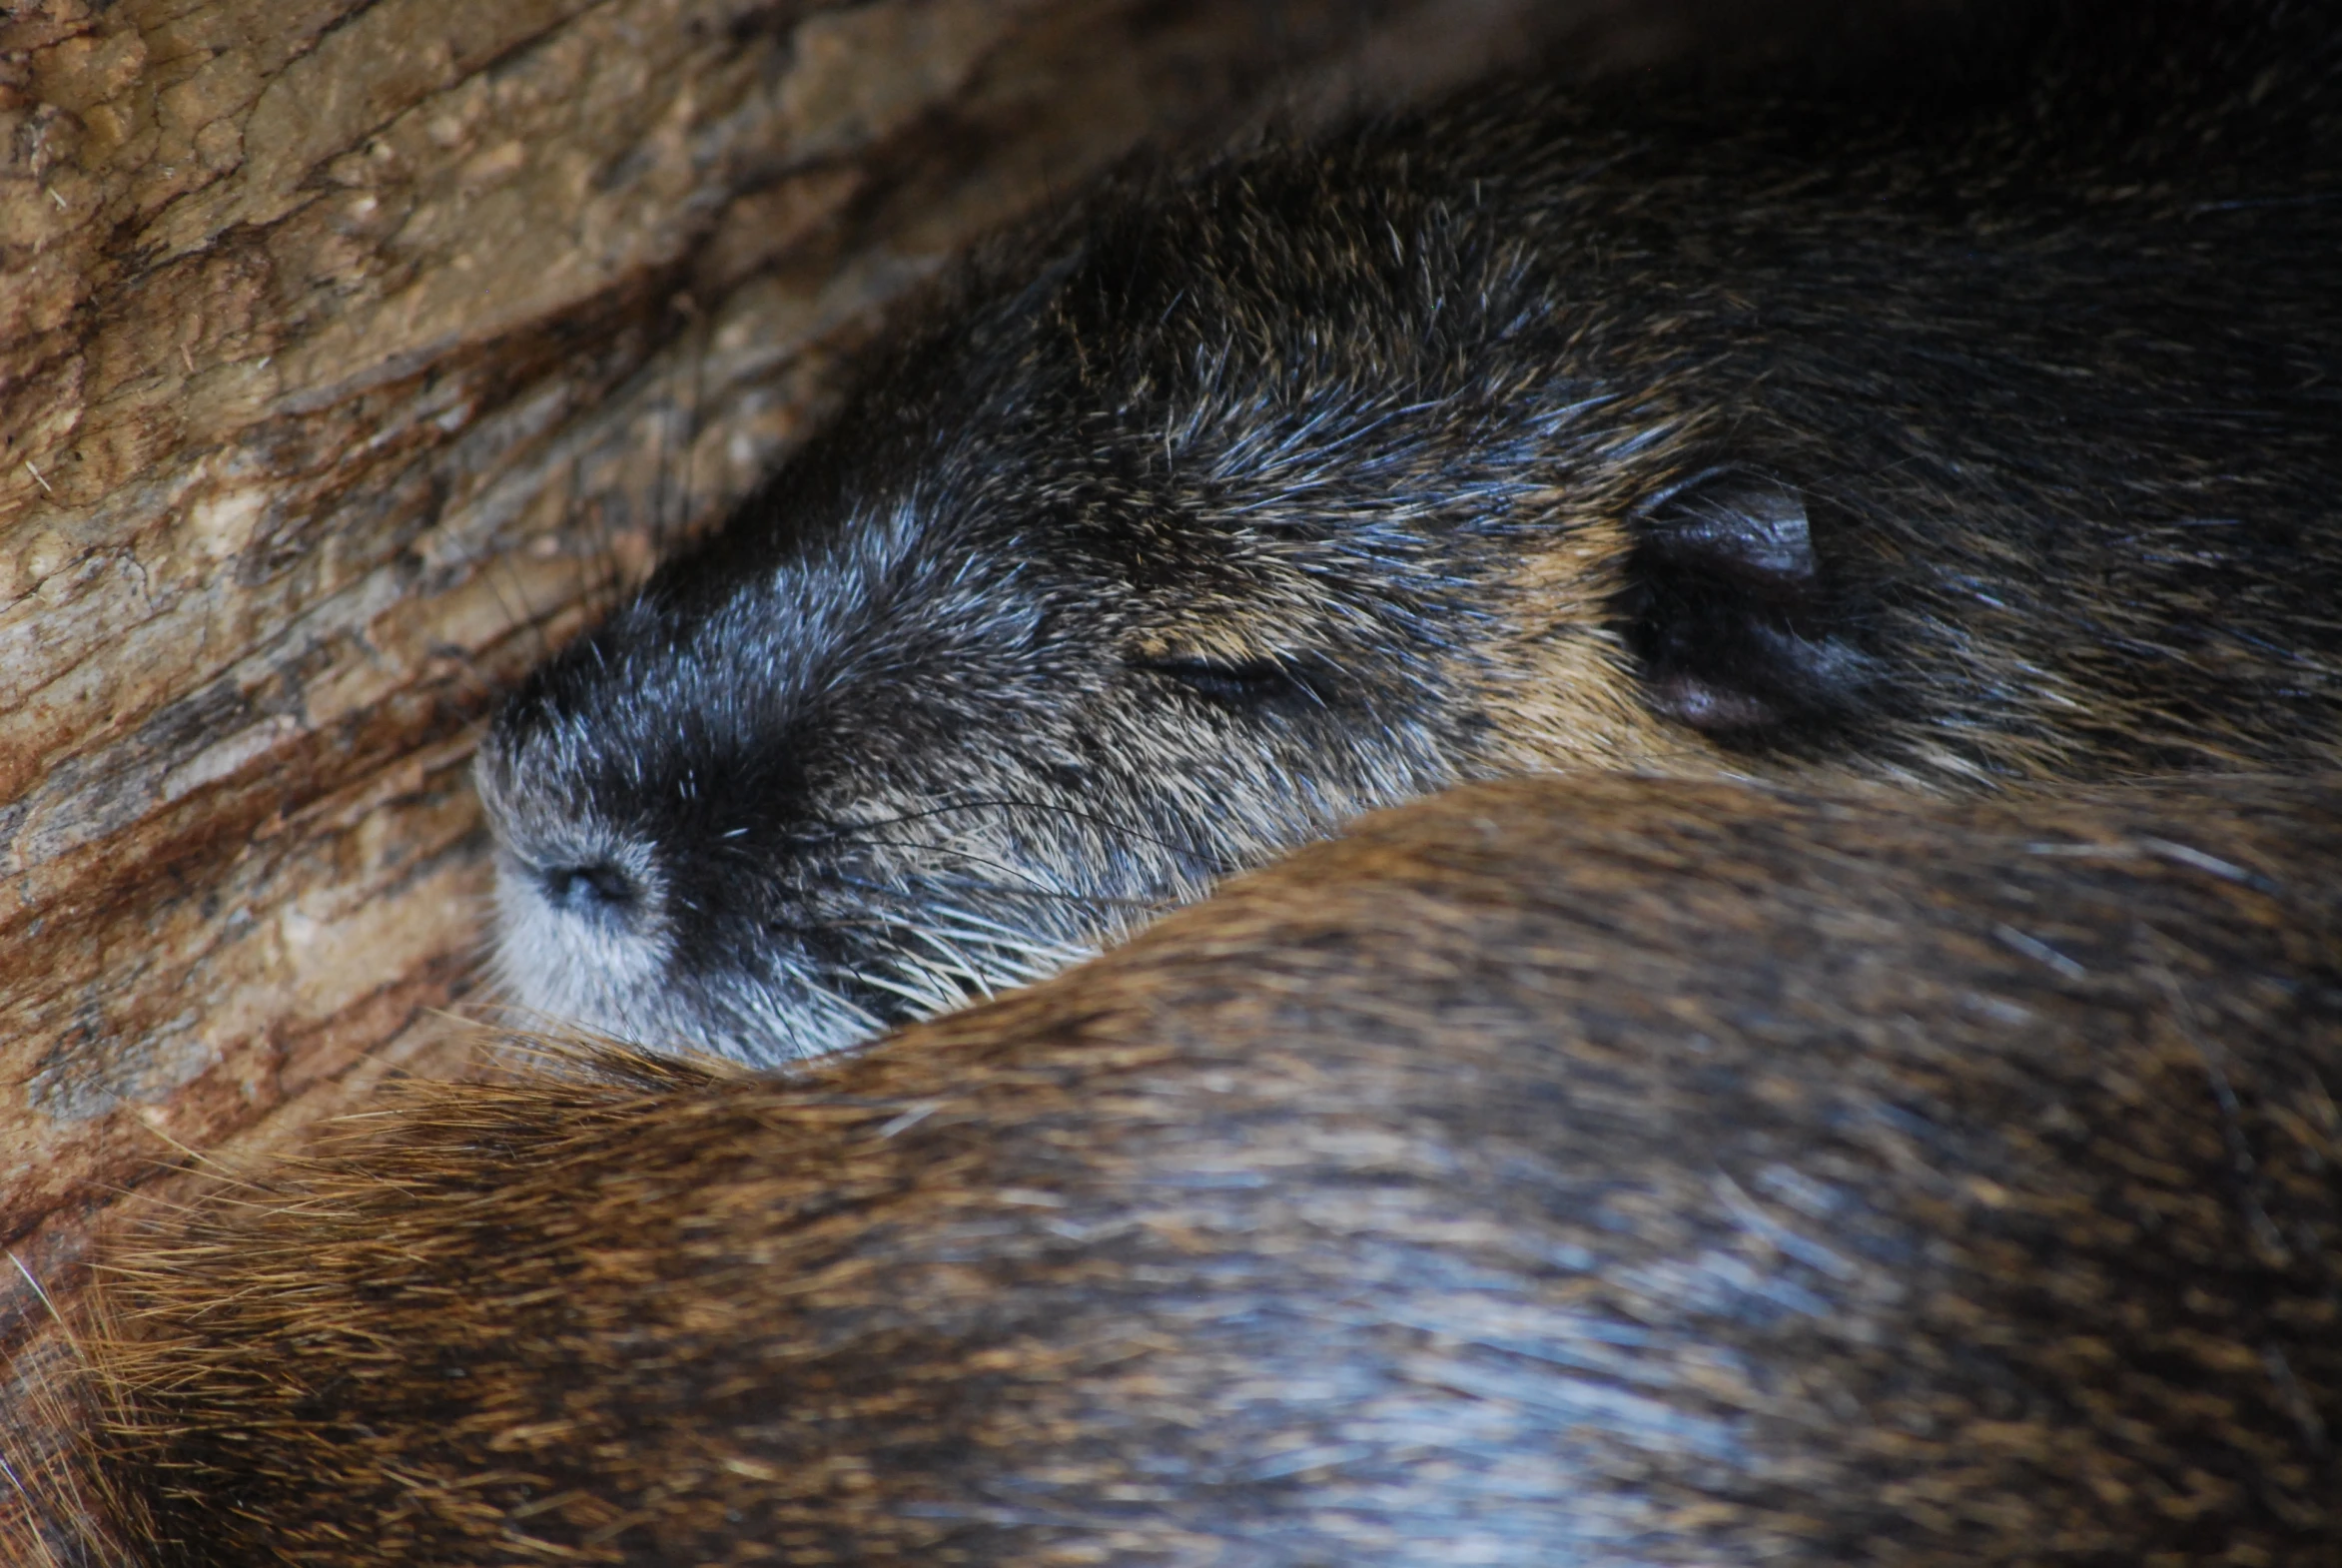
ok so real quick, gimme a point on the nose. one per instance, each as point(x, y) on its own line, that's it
point(596, 890)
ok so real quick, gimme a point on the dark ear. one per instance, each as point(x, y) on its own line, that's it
point(1727, 609)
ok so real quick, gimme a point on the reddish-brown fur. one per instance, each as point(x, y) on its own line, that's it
point(1574, 1171)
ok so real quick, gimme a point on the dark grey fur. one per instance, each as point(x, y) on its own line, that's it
point(1990, 435)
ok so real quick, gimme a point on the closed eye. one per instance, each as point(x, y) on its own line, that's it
point(1232, 681)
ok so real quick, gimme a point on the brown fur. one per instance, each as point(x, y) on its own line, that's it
point(1590, 1170)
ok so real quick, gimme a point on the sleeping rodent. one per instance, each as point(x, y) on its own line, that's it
point(1564, 1171)
point(1980, 434)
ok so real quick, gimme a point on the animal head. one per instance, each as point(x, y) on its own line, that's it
point(1249, 504)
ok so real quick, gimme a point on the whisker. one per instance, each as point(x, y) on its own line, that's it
point(923, 892)
point(981, 976)
point(1012, 803)
point(928, 1000)
point(1026, 961)
point(967, 925)
point(1037, 890)
point(865, 1020)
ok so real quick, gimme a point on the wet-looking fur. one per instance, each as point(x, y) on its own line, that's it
point(1563, 1171)
point(1989, 436)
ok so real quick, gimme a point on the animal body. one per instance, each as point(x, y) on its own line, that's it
point(1571, 1171)
point(1586, 1169)
point(1981, 435)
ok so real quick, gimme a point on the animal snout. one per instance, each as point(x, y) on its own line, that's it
point(593, 890)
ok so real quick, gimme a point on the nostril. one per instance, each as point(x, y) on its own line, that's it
point(597, 888)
